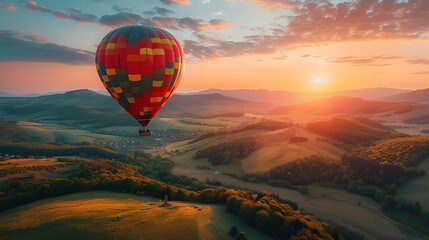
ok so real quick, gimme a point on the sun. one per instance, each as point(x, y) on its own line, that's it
point(319, 82)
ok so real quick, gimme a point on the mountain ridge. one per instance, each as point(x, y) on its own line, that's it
point(419, 96)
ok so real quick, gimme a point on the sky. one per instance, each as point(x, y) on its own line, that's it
point(291, 45)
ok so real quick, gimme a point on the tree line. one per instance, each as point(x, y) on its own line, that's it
point(266, 212)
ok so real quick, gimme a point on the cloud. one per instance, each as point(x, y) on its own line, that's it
point(273, 4)
point(74, 14)
point(323, 22)
point(158, 11)
point(8, 6)
point(281, 57)
point(206, 47)
point(129, 18)
point(214, 24)
point(118, 8)
point(172, 23)
point(19, 46)
point(360, 20)
point(181, 2)
point(34, 6)
point(278, 4)
point(421, 73)
point(120, 19)
point(381, 60)
point(78, 17)
point(419, 61)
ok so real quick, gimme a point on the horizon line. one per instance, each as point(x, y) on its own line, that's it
point(219, 89)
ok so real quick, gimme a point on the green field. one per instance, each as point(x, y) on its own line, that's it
point(64, 134)
point(274, 150)
point(30, 169)
point(94, 215)
point(224, 221)
point(417, 189)
point(417, 222)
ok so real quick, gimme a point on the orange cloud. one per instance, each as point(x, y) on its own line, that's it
point(214, 24)
point(278, 4)
point(181, 2)
point(8, 6)
point(363, 19)
point(321, 22)
point(274, 4)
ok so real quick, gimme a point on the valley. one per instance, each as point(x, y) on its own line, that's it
point(327, 203)
point(236, 143)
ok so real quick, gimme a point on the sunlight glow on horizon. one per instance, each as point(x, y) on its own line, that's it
point(295, 72)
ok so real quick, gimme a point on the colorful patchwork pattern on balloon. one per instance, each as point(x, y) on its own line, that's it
point(140, 68)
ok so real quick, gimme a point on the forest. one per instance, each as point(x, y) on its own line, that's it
point(225, 152)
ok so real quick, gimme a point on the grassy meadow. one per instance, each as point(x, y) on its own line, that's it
point(417, 189)
point(94, 215)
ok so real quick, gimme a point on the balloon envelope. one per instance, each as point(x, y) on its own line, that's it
point(140, 67)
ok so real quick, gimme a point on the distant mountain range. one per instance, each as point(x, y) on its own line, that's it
point(260, 95)
point(286, 97)
point(291, 97)
point(342, 105)
point(369, 93)
point(88, 108)
point(94, 110)
point(7, 94)
point(418, 96)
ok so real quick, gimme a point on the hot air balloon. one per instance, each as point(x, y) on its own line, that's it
point(140, 67)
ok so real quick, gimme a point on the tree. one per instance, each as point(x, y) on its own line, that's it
point(417, 208)
point(378, 195)
point(263, 221)
point(241, 236)
point(389, 203)
point(233, 231)
point(233, 205)
point(392, 189)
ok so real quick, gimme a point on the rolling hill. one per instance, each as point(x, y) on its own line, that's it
point(95, 215)
point(6, 94)
point(418, 96)
point(204, 105)
point(369, 93)
point(288, 97)
point(345, 106)
point(253, 148)
point(405, 151)
point(261, 150)
point(93, 110)
point(10, 132)
point(260, 95)
point(361, 131)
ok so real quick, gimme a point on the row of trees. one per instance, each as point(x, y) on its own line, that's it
point(265, 125)
point(226, 152)
point(405, 151)
point(298, 139)
point(348, 131)
point(302, 171)
point(279, 220)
